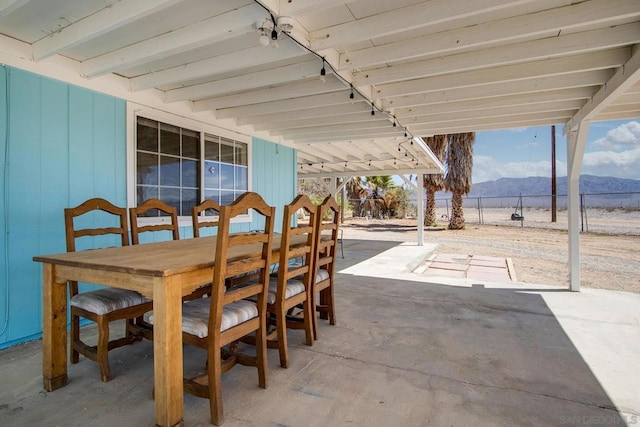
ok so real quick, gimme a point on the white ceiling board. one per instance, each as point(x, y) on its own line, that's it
point(439, 66)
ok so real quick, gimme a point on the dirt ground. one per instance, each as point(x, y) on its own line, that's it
point(539, 255)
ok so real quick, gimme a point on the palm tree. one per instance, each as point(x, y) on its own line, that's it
point(459, 156)
point(376, 199)
point(356, 195)
point(434, 182)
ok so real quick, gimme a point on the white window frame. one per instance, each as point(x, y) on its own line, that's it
point(135, 110)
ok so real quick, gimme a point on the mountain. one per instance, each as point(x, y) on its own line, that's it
point(537, 186)
point(598, 191)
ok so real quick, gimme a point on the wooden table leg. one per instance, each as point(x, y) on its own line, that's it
point(167, 348)
point(54, 330)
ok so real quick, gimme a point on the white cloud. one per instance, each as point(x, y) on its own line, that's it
point(623, 137)
point(624, 164)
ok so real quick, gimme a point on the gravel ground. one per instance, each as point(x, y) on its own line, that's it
point(539, 255)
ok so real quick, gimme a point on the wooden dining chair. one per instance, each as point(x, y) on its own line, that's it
point(136, 213)
point(291, 288)
point(199, 221)
point(172, 226)
point(326, 233)
point(105, 305)
point(216, 324)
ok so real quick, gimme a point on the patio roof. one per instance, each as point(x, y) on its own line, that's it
point(429, 67)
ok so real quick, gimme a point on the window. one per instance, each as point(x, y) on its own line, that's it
point(225, 169)
point(184, 165)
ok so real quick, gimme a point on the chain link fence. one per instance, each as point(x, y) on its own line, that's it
point(612, 213)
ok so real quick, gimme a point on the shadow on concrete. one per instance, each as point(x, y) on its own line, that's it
point(404, 352)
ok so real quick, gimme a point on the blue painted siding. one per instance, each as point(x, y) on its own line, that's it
point(65, 145)
point(274, 176)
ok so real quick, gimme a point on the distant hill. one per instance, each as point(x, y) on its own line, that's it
point(537, 185)
point(510, 188)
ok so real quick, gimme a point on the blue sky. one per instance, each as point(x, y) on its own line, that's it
point(613, 149)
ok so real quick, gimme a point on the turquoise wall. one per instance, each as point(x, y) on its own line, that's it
point(61, 145)
point(274, 176)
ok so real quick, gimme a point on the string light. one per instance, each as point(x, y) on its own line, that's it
point(323, 72)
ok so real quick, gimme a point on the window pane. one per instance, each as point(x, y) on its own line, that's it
point(226, 177)
point(212, 175)
point(169, 171)
point(241, 154)
point(227, 197)
point(226, 151)
point(147, 169)
point(211, 148)
point(241, 178)
point(213, 195)
point(169, 139)
point(147, 135)
point(146, 193)
point(190, 144)
point(190, 173)
point(189, 200)
point(170, 196)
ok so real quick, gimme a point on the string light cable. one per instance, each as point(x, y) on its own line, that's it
point(352, 89)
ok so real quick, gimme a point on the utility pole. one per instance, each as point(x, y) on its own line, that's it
point(553, 173)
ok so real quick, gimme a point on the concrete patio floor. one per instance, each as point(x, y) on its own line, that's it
point(408, 349)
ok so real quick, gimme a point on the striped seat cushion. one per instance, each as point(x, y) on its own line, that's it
point(322, 275)
point(294, 287)
point(195, 315)
point(103, 301)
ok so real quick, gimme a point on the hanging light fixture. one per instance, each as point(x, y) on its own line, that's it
point(323, 72)
point(267, 30)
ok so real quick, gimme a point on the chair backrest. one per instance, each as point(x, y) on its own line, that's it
point(196, 211)
point(298, 241)
point(229, 262)
point(149, 205)
point(326, 234)
point(95, 204)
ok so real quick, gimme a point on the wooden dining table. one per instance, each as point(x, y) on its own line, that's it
point(163, 271)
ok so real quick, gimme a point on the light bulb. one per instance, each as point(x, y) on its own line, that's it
point(264, 39)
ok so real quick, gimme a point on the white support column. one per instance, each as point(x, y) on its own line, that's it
point(343, 185)
point(420, 209)
point(576, 142)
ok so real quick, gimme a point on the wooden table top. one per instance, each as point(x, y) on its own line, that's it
point(159, 259)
